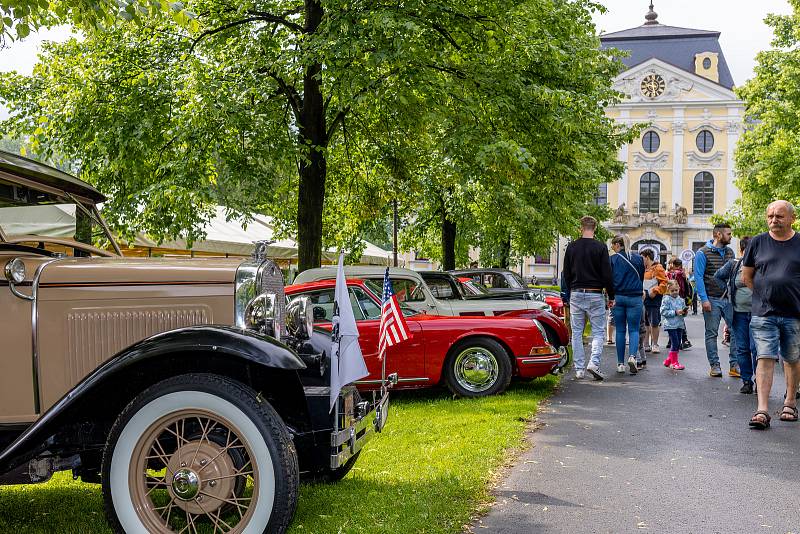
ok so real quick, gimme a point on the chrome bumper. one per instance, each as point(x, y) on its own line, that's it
point(347, 442)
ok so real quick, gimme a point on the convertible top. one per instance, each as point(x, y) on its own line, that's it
point(39, 172)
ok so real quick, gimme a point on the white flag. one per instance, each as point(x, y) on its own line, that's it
point(347, 362)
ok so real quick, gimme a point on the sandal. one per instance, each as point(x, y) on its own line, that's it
point(789, 413)
point(760, 420)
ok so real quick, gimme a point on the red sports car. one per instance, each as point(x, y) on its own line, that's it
point(473, 356)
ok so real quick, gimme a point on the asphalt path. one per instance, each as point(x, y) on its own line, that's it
point(661, 451)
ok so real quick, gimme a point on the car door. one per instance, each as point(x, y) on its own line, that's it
point(407, 358)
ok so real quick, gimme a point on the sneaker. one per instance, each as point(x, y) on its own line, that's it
point(655, 349)
point(620, 367)
point(686, 345)
point(734, 372)
point(677, 366)
point(647, 348)
point(579, 374)
point(747, 388)
point(632, 365)
point(641, 365)
point(715, 371)
point(594, 370)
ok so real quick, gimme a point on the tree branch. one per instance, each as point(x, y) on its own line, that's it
point(278, 19)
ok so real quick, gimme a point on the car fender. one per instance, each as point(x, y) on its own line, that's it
point(196, 345)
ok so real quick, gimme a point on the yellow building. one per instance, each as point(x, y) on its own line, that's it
point(680, 171)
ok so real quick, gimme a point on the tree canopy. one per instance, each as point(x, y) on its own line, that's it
point(484, 119)
point(769, 149)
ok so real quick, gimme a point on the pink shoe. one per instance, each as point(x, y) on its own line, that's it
point(671, 359)
point(678, 367)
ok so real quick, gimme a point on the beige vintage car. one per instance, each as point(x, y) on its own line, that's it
point(185, 387)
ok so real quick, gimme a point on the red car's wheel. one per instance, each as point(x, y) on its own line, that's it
point(477, 368)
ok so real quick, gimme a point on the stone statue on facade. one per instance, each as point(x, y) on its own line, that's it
point(621, 214)
point(680, 215)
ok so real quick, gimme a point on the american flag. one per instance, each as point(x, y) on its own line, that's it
point(393, 328)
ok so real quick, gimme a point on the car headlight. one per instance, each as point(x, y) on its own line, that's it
point(259, 314)
point(15, 271)
point(299, 320)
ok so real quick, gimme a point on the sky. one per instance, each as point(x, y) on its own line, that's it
point(740, 21)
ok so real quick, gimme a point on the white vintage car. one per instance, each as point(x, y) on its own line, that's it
point(411, 289)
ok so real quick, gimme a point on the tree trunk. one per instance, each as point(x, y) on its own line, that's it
point(505, 253)
point(313, 168)
point(448, 242)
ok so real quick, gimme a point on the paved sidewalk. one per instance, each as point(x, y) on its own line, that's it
point(662, 451)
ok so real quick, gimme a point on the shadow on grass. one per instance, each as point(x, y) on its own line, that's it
point(426, 473)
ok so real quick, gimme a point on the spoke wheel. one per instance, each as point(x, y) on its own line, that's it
point(181, 476)
point(199, 454)
point(477, 368)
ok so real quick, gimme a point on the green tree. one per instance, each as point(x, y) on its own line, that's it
point(297, 109)
point(769, 148)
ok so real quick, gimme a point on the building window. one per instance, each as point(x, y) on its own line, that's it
point(601, 198)
point(541, 260)
point(649, 192)
point(651, 142)
point(705, 141)
point(703, 193)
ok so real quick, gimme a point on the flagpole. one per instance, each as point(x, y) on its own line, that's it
point(394, 230)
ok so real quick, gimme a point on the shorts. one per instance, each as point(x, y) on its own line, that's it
point(652, 316)
point(776, 337)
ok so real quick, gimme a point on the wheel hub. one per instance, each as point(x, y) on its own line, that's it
point(204, 477)
point(476, 370)
point(185, 484)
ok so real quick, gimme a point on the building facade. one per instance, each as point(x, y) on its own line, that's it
point(680, 171)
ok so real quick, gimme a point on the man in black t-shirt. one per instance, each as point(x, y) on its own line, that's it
point(587, 272)
point(771, 268)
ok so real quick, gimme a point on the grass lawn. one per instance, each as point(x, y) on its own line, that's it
point(428, 472)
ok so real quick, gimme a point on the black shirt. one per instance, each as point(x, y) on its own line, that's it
point(587, 266)
point(776, 281)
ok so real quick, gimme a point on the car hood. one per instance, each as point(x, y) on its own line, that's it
point(140, 271)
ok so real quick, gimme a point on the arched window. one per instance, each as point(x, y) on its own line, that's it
point(649, 192)
point(705, 141)
point(703, 193)
point(650, 142)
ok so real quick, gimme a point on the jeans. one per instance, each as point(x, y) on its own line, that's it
point(627, 312)
point(675, 337)
point(720, 309)
point(745, 345)
point(775, 335)
point(583, 306)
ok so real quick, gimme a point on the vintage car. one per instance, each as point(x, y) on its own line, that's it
point(411, 288)
point(473, 290)
point(186, 387)
point(472, 356)
point(496, 280)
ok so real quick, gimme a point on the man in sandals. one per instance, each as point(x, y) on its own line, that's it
point(771, 268)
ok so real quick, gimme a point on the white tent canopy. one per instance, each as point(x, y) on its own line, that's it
point(237, 237)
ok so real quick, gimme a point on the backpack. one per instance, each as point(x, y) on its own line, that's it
point(685, 290)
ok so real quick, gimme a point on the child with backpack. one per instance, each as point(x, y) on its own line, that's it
point(673, 310)
point(677, 273)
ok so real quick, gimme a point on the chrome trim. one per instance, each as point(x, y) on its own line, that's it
point(348, 442)
point(37, 402)
point(255, 276)
point(541, 329)
point(550, 359)
point(398, 380)
point(476, 369)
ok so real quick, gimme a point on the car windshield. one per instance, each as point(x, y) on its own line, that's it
point(516, 281)
point(26, 212)
point(376, 287)
point(475, 288)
